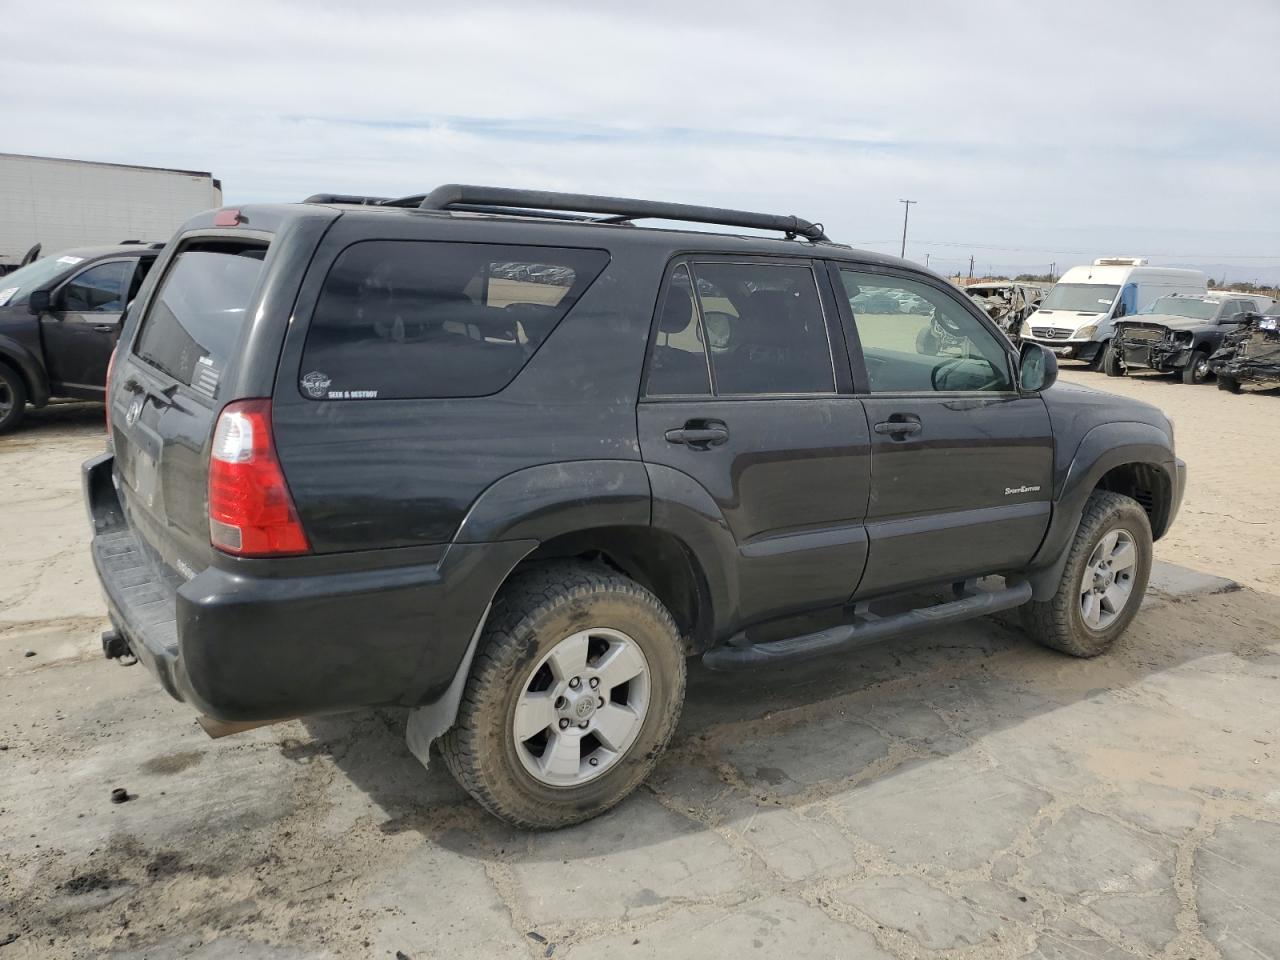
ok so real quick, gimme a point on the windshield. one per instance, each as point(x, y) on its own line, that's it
point(15, 286)
point(1184, 307)
point(1081, 297)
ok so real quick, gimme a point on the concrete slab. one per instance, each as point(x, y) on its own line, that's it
point(1237, 876)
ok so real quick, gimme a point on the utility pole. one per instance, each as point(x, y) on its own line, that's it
point(1052, 269)
point(906, 212)
point(926, 261)
point(971, 266)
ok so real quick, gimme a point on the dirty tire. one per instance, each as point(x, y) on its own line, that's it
point(1229, 384)
point(1111, 362)
point(533, 612)
point(1197, 368)
point(13, 398)
point(1059, 621)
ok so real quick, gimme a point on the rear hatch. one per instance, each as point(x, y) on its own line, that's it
point(172, 375)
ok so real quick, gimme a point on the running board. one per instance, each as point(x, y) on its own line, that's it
point(867, 630)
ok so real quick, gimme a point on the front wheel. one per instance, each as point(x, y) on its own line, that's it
point(1197, 368)
point(1111, 362)
point(1103, 582)
point(13, 398)
point(575, 690)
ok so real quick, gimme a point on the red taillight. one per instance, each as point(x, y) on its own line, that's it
point(251, 513)
point(227, 218)
point(111, 365)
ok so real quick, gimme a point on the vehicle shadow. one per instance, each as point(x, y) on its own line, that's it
point(814, 733)
point(64, 417)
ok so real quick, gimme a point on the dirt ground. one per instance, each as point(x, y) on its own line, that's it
point(957, 795)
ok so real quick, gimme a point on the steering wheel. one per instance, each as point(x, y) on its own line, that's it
point(947, 324)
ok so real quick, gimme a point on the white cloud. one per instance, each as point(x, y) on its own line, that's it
point(1091, 126)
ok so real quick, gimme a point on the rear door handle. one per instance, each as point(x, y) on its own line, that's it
point(699, 436)
point(104, 327)
point(903, 428)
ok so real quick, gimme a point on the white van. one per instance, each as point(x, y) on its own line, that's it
point(1075, 320)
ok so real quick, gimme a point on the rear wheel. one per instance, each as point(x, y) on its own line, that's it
point(574, 693)
point(1197, 368)
point(13, 398)
point(1103, 582)
point(1111, 362)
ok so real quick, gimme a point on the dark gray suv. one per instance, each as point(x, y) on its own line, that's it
point(508, 459)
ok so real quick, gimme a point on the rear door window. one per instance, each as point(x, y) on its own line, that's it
point(764, 329)
point(194, 320)
point(400, 319)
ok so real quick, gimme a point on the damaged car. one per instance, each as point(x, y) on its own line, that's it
point(1250, 353)
point(1178, 334)
point(1008, 304)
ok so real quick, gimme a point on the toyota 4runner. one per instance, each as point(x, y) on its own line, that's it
point(508, 459)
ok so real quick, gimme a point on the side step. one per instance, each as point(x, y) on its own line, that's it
point(867, 630)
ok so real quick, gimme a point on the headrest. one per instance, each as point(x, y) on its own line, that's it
point(768, 316)
point(677, 312)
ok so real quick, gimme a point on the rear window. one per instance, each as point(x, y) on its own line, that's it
point(195, 318)
point(400, 319)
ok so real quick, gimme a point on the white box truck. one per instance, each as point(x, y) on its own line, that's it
point(60, 204)
point(1077, 317)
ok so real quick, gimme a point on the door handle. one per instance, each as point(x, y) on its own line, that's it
point(899, 428)
point(699, 436)
point(104, 327)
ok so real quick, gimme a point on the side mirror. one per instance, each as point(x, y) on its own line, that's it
point(1037, 367)
point(38, 302)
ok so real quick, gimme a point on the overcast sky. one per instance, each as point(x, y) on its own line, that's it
point(1029, 132)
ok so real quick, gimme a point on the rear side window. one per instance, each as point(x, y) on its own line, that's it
point(400, 319)
point(195, 318)
point(764, 328)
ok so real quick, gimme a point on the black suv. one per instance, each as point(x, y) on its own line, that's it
point(59, 318)
point(1176, 334)
point(508, 459)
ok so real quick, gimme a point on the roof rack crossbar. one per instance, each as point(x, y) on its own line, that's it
point(455, 196)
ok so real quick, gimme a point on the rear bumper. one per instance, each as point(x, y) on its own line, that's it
point(240, 647)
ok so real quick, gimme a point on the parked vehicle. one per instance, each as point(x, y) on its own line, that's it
point(1076, 318)
point(1249, 354)
point(509, 466)
point(59, 319)
point(1175, 334)
point(56, 204)
point(1007, 303)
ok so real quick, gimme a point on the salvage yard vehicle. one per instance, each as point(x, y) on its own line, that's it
point(1007, 303)
point(1175, 334)
point(1249, 354)
point(508, 459)
point(59, 318)
point(1076, 318)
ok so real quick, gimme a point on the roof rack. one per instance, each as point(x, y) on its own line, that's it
point(346, 198)
point(459, 196)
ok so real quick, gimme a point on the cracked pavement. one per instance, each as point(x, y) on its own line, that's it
point(953, 795)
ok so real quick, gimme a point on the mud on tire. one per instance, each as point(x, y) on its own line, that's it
point(1059, 622)
point(532, 614)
